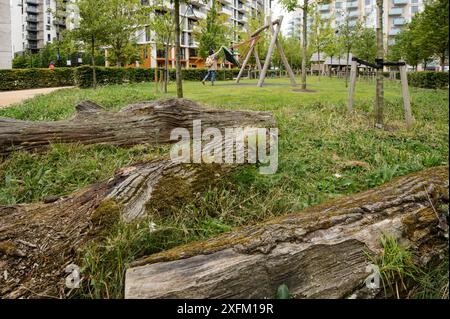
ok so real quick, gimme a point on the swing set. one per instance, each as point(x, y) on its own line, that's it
point(274, 27)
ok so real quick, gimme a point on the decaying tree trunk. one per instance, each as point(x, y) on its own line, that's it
point(38, 240)
point(148, 122)
point(320, 252)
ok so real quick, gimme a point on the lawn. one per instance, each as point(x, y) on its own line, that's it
point(319, 146)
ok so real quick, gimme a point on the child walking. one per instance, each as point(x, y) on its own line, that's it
point(211, 64)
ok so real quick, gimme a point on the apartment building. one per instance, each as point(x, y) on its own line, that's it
point(396, 14)
point(28, 25)
point(238, 12)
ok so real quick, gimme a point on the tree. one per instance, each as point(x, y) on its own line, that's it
point(379, 97)
point(176, 21)
point(431, 29)
point(92, 28)
point(348, 36)
point(332, 48)
point(161, 23)
point(291, 5)
point(213, 32)
point(406, 48)
point(320, 33)
point(365, 46)
point(125, 18)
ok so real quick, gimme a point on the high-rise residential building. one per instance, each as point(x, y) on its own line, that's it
point(396, 14)
point(238, 11)
point(32, 24)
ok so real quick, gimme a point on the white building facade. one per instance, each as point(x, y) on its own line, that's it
point(238, 11)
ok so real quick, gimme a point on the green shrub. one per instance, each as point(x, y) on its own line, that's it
point(19, 79)
point(113, 75)
point(428, 79)
point(424, 79)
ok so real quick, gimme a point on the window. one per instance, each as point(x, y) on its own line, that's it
point(48, 27)
point(48, 20)
point(148, 34)
point(414, 9)
point(338, 5)
point(414, 1)
point(49, 37)
point(368, 2)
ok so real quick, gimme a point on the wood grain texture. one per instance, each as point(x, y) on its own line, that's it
point(319, 252)
point(141, 123)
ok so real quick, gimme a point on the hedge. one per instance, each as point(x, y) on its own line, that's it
point(425, 79)
point(114, 75)
point(19, 79)
point(428, 79)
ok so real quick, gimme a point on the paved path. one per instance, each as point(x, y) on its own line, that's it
point(10, 97)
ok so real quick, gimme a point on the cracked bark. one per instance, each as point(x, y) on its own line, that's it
point(141, 123)
point(319, 252)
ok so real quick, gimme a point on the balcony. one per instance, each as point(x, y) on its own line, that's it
point(396, 11)
point(400, 2)
point(325, 16)
point(32, 37)
point(226, 10)
point(31, 18)
point(353, 14)
point(32, 9)
point(35, 2)
point(324, 7)
point(32, 28)
point(394, 31)
point(353, 5)
point(399, 21)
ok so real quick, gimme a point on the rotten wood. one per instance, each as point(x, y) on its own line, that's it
point(141, 123)
point(38, 240)
point(320, 252)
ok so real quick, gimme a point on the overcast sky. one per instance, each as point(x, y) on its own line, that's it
point(278, 10)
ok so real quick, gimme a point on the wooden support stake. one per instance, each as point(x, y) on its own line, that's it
point(262, 76)
point(406, 99)
point(258, 61)
point(247, 57)
point(351, 88)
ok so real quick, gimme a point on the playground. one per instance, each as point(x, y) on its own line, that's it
point(324, 154)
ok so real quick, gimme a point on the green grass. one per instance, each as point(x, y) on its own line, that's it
point(401, 277)
point(318, 139)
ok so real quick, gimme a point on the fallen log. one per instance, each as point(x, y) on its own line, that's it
point(37, 241)
point(320, 252)
point(141, 123)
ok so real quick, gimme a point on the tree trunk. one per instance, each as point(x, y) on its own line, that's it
point(94, 72)
point(304, 43)
point(331, 67)
point(379, 98)
point(346, 68)
point(147, 122)
point(321, 252)
point(37, 241)
point(178, 49)
point(166, 65)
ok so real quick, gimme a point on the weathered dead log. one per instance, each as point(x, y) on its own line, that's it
point(38, 240)
point(318, 253)
point(142, 123)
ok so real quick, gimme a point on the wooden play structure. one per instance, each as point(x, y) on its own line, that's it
point(274, 27)
point(379, 64)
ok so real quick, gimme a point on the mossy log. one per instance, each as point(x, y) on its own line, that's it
point(321, 252)
point(37, 241)
point(142, 123)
